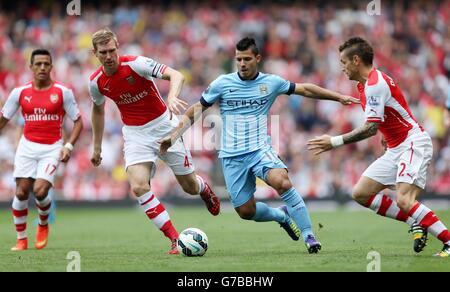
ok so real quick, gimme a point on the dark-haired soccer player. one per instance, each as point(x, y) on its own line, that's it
point(245, 98)
point(409, 148)
point(44, 104)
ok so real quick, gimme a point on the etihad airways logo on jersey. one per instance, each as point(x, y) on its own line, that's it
point(128, 98)
point(40, 114)
point(247, 103)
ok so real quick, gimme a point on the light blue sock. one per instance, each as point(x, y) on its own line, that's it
point(265, 213)
point(297, 210)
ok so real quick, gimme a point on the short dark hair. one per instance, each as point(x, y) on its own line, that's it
point(247, 43)
point(40, 52)
point(358, 46)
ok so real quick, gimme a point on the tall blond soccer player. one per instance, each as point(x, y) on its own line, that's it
point(128, 82)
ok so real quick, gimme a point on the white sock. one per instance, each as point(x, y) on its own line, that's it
point(201, 183)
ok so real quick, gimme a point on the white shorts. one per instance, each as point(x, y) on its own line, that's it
point(406, 163)
point(36, 160)
point(141, 145)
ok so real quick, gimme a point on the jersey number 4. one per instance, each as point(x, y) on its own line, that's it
point(186, 161)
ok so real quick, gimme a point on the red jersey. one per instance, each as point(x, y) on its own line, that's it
point(42, 110)
point(132, 88)
point(383, 102)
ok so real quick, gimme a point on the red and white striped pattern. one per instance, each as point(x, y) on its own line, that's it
point(156, 212)
point(384, 206)
point(428, 220)
point(44, 210)
point(20, 213)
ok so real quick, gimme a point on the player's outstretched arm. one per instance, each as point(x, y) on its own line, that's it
point(192, 114)
point(325, 143)
point(314, 91)
point(176, 84)
point(74, 135)
point(98, 126)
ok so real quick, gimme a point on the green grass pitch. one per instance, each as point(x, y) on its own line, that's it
point(124, 240)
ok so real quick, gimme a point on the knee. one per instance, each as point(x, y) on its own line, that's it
point(139, 189)
point(360, 196)
point(246, 213)
point(404, 203)
point(41, 191)
point(282, 185)
point(22, 194)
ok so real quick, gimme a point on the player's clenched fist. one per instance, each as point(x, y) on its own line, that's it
point(165, 144)
point(65, 154)
point(96, 159)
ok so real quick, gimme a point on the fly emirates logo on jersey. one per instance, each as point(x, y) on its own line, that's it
point(40, 114)
point(127, 98)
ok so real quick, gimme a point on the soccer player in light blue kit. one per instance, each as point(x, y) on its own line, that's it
point(245, 98)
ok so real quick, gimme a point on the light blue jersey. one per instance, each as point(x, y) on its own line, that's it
point(447, 104)
point(245, 150)
point(244, 107)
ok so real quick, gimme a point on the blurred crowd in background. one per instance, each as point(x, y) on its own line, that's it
point(299, 41)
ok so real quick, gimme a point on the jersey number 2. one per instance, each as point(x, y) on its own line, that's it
point(403, 166)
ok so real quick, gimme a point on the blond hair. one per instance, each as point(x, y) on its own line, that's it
point(103, 36)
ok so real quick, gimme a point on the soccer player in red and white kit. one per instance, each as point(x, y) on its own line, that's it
point(409, 148)
point(44, 104)
point(128, 81)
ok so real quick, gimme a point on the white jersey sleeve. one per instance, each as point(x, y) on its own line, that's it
point(95, 94)
point(70, 105)
point(147, 68)
point(12, 104)
point(376, 98)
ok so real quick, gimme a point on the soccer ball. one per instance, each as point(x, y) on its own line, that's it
point(192, 242)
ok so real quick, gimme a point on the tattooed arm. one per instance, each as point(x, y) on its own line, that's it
point(326, 142)
point(365, 131)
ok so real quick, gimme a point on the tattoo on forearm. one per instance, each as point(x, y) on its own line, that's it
point(361, 133)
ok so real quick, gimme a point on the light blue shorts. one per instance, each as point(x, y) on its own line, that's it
point(240, 173)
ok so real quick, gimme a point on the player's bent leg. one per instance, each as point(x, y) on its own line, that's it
point(365, 189)
point(261, 212)
point(278, 179)
point(195, 185)
point(407, 194)
point(289, 225)
point(139, 178)
point(189, 183)
point(20, 212)
point(406, 198)
point(247, 211)
point(367, 192)
point(43, 203)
